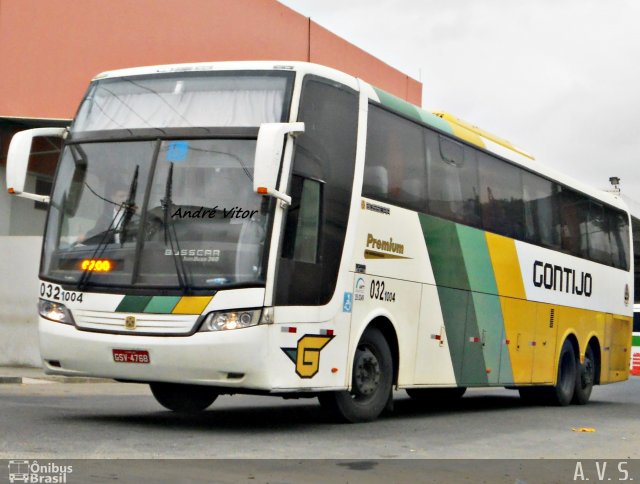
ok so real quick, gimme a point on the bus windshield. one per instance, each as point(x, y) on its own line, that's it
point(185, 100)
point(157, 213)
point(155, 184)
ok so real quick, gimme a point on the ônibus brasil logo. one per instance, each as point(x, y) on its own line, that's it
point(35, 472)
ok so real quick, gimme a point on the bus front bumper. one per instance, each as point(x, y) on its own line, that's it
point(232, 359)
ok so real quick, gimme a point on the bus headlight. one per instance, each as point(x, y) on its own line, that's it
point(220, 321)
point(54, 312)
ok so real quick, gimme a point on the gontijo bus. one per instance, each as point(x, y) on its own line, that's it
point(287, 229)
point(635, 345)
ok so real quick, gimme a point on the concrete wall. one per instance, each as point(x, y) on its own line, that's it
point(49, 50)
point(18, 299)
point(19, 264)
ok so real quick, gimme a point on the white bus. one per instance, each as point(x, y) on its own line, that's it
point(287, 229)
point(635, 344)
point(635, 349)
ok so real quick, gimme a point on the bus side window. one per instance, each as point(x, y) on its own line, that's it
point(541, 215)
point(501, 197)
point(302, 227)
point(453, 180)
point(635, 228)
point(573, 214)
point(619, 238)
point(395, 168)
point(375, 181)
point(598, 233)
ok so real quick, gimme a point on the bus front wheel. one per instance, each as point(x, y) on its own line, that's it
point(183, 398)
point(372, 379)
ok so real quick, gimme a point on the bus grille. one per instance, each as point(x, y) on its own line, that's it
point(145, 323)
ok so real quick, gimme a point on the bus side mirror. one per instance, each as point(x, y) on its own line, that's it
point(268, 156)
point(18, 160)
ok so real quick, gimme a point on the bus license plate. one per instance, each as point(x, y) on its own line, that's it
point(131, 356)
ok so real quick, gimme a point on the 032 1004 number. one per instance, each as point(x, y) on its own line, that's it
point(376, 291)
point(56, 293)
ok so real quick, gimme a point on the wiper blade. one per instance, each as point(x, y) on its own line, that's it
point(99, 250)
point(129, 205)
point(170, 233)
point(112, 229)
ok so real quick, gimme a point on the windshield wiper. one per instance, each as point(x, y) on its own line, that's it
point(129, 205)
point(112, 229)
point(170, 233)
point(99, 250)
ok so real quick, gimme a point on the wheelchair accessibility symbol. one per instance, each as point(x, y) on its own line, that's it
point(347, 303)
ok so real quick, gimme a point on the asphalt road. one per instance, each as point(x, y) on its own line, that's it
point(116, 420)
point(44, 420)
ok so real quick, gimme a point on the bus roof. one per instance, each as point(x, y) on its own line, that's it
point(440, 120)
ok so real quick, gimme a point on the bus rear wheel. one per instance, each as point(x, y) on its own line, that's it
point(183, 398)
point(562, 393)
point(372, 379)
point(586, 376)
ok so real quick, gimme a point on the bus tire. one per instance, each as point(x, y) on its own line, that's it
point(586, 376)
point(562, 393)
point(436, 396)
point(372, 381)
point(183, 398)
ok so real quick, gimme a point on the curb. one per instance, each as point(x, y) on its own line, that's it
point(74, 379)
point(52, 379)
point(10, 379)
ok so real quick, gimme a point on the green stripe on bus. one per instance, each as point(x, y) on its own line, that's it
point(492, 334)
point(435, 121)
point(398, 104)
point(474, 359)
point(477, 261)
point(453, 303)
point(458, 308)
point(133, 304)
point(488, 311)
point(162, 304)
point(635, 341)
point(408, 109)
point(445, 252)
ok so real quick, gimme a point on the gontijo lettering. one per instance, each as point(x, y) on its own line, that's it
point(563, 279)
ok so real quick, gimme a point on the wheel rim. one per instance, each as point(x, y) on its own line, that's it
point(366, 374)
point(587, 374)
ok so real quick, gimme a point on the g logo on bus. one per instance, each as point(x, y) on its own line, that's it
point(306, 356)
point(130, 322)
